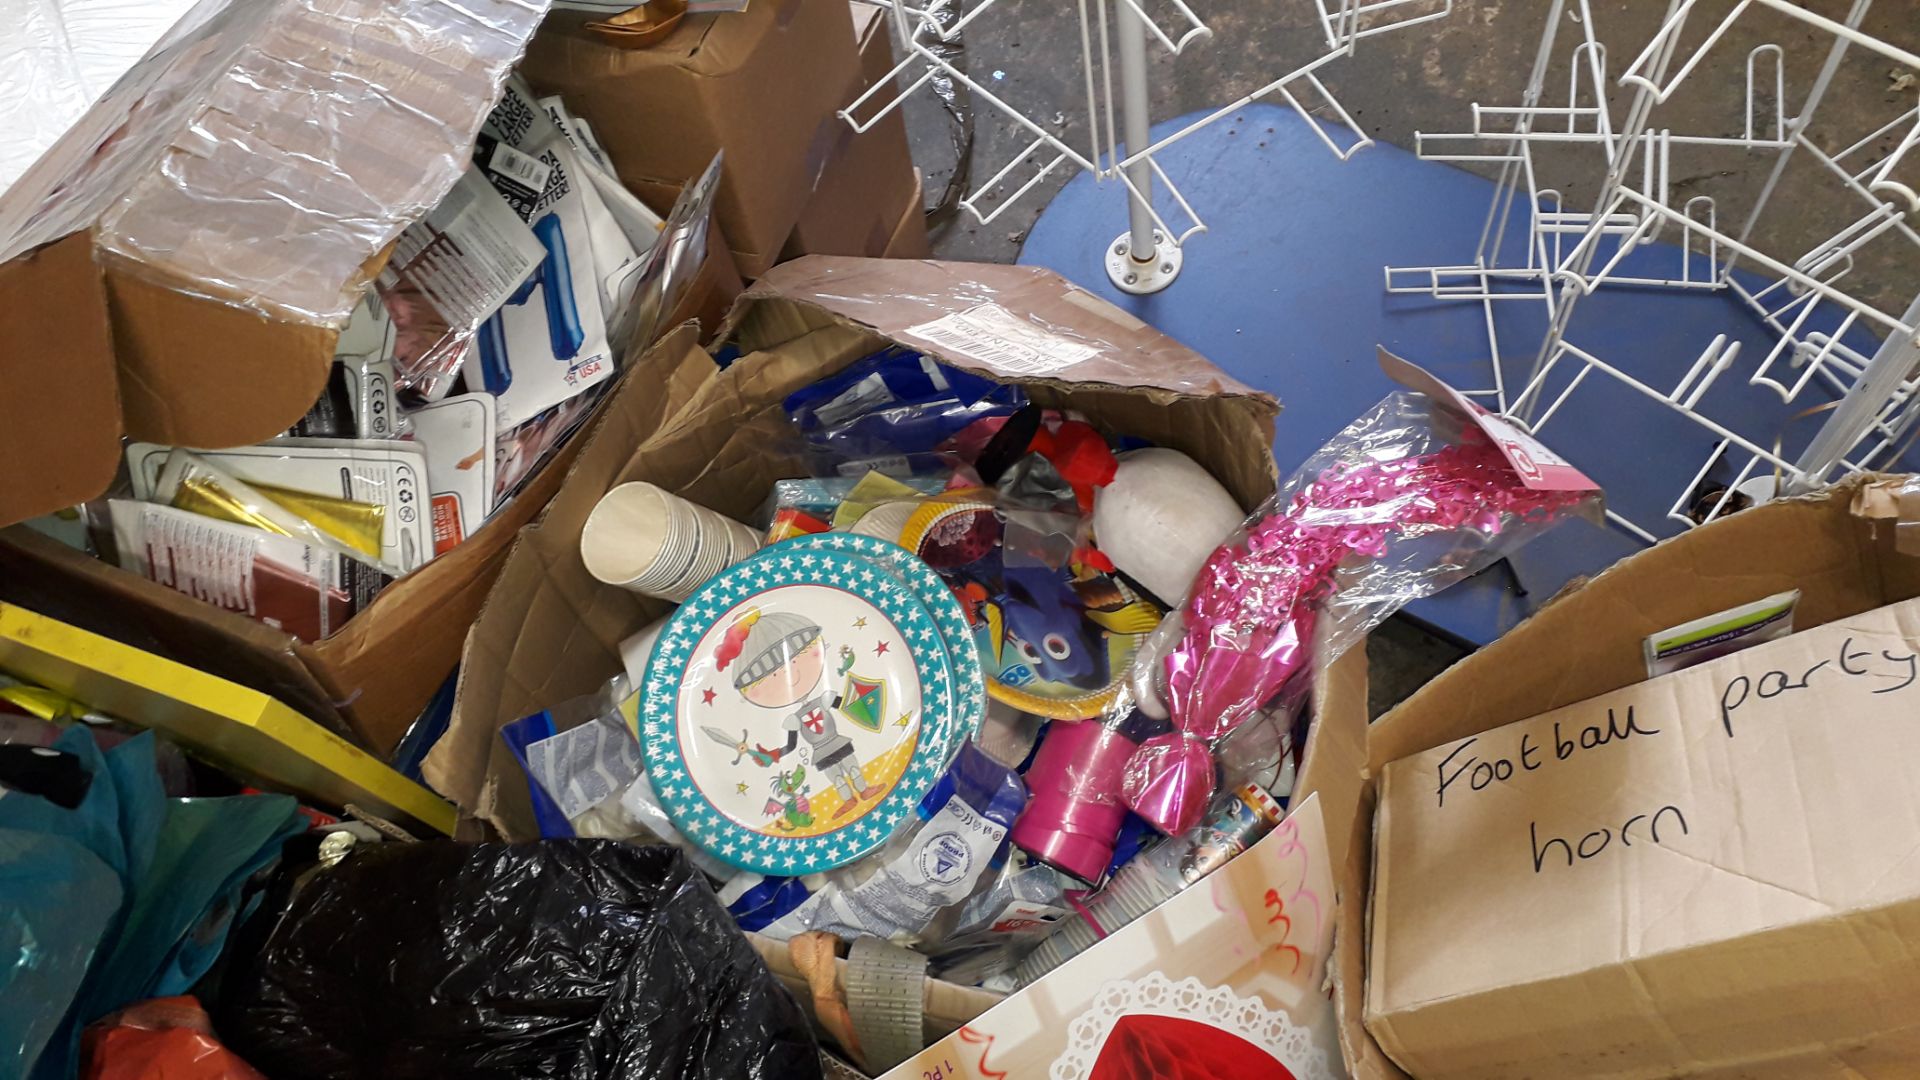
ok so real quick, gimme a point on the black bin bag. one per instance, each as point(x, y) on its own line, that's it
point(566, 959)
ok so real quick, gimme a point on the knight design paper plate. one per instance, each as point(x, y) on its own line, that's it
point(798, 707)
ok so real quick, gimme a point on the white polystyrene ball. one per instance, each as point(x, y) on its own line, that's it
point(1160, 519)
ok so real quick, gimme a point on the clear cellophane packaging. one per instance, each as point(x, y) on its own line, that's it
point(1420, 492)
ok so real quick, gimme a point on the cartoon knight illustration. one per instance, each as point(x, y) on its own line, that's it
point(778, 661)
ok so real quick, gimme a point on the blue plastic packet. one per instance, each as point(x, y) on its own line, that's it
point(896, 402)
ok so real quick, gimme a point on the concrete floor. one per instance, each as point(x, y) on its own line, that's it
point(1425, 79)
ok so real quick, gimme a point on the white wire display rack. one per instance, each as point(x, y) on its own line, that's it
point(1807, 310)
point(1117, 34)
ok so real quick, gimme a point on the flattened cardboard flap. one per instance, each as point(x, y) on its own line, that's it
point(965, 313)
point(59, 398)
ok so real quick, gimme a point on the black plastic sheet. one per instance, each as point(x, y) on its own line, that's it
point(564, 959)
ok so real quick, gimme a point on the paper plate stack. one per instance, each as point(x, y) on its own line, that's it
point(799, 705)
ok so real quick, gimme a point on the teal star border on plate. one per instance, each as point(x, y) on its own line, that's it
point(699, 820)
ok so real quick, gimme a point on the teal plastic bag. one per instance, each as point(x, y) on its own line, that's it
point(167, 876)
point(56, 902)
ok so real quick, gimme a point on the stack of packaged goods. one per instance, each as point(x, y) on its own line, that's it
point(495, 327)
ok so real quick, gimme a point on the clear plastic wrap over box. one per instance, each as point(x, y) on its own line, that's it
point(265, 152)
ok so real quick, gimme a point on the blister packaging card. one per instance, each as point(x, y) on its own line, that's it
point(621, 227)
point(450, 272)
point(548, 342)
point(458, 436)
point(364, 358)
point(284, 582)
point(386, 473)
point(635, 219)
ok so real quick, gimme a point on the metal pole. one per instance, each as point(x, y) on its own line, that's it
point(1132, 34)
point(1140, 261)
point(1890, 366)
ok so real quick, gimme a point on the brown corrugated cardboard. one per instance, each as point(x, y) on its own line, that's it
point(207, 363)
point(1832, 1017)
point(763, 85)
point(60, 411)
point(866, 187)
point(549, 632)
point(1560, 894)
point(909, 239)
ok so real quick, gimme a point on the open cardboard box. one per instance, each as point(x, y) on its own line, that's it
point(550, 632)
point(1842, 1020)
point(180, 262)
point(185, 256)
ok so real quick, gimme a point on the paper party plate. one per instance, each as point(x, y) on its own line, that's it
point(797, 710)
point(1059, 643)
point(970, 696)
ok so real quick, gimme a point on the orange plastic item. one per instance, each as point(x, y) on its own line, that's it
point(162, 1039)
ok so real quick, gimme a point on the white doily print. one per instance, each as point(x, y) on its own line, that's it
point(1189, 999)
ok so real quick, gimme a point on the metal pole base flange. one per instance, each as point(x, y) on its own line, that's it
point(1140, 278)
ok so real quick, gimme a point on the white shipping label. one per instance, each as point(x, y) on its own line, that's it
point(991, 335)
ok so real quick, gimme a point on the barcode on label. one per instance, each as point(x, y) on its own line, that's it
point(993, 336)
point(525, 168)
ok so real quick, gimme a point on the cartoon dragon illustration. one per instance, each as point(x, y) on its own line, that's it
point(788, 799)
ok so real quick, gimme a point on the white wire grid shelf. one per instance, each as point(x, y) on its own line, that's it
point(1819, 360)
point(1173, 26)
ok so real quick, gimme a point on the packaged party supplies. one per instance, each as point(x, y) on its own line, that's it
point(549, 341)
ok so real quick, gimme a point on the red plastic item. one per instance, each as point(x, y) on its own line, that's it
point(162, 1039)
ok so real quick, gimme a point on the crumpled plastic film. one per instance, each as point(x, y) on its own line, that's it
point(58, 56)
point(321, 129)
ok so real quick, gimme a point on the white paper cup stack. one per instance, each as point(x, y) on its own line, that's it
point(648, 540)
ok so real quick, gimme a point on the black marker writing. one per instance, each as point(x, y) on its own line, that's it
point(1592, 844)
point(1902, 669)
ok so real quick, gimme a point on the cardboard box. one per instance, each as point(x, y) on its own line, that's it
point(868, 184)
point(1228, 971)
point(762, 85)
point(909, 239)
point(197, 302)
point(239, 185)
point(1668, 962)
point(550, 632)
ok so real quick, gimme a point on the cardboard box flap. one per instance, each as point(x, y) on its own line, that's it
point(266, 156)
point(46, 577)
point(1790, 543)
point(60, 410)
point(489, 678)
point(1062, 337)
point(963, 313)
